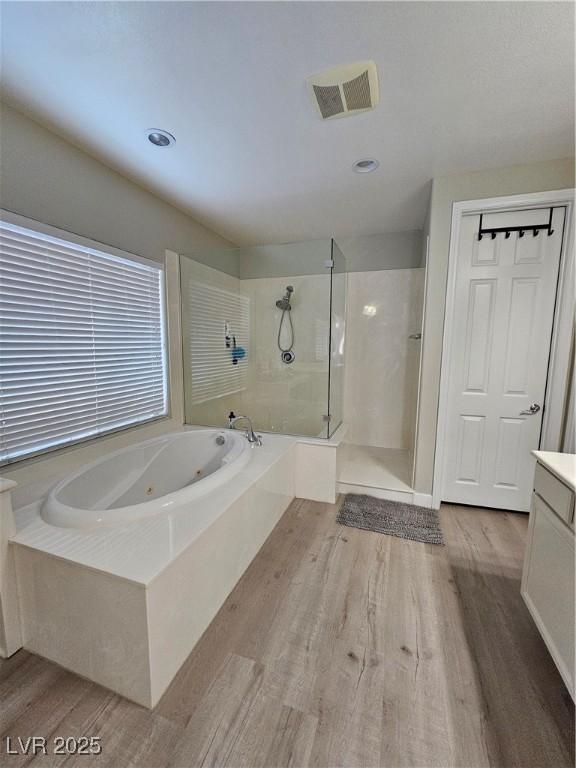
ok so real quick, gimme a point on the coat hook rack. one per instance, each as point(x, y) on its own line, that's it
point(493, 231)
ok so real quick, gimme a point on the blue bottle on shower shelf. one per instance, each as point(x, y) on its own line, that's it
point(238, 353)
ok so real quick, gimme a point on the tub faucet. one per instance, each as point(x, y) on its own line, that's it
point(252, 438)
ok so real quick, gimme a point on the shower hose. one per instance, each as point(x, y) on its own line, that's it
point(280, 347)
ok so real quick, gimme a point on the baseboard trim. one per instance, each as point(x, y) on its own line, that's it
point(409, 497)
point(423, 500)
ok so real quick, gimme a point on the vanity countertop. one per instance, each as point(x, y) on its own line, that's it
point(563, 465)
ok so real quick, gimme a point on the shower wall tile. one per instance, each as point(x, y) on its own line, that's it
point(381, 379)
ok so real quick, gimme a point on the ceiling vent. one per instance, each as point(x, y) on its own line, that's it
point(345, 90)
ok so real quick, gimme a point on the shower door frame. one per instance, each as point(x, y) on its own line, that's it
point(329, 431)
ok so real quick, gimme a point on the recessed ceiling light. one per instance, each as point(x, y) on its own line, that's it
point(365, 166)
point(160, 138)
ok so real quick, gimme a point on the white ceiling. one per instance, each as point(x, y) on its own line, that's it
point(463, 86)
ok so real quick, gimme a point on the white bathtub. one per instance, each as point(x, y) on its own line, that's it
point(147, 479)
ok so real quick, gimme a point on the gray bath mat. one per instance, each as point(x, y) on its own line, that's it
point(394, 518)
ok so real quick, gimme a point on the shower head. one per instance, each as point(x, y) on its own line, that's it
point(284, 302)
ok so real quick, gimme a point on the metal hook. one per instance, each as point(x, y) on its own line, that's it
point(507, 235)
point(493, 235)
point(535, 233)
point(550, 232)
point(479, 235)
point(521, 233)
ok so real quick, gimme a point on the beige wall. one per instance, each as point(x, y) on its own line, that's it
point(390, 250)
point(45, 178)
point(518, 179)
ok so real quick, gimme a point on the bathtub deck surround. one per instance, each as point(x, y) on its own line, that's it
point(124, 605)
point(10, 634)
point(123, 602)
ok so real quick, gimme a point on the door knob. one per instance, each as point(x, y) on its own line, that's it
point(534, 408)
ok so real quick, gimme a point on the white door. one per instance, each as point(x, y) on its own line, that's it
point(502, 319)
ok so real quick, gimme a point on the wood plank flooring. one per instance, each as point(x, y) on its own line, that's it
point(338, 647)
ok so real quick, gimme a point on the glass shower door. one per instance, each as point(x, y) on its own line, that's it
point(288, 287)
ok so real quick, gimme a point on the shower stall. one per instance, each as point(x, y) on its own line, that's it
point(263, 335)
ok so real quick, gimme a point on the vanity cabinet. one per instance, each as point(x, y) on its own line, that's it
point(548, 573)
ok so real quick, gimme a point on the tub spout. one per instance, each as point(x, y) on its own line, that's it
point(252, 438)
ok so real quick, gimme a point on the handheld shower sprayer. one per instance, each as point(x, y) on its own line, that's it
point(287, 355)
point(284, 302)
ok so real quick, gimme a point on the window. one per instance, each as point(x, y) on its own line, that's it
point(82, 348)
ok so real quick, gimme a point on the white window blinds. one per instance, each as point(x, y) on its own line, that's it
point(219, 366)
point(81, 342)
